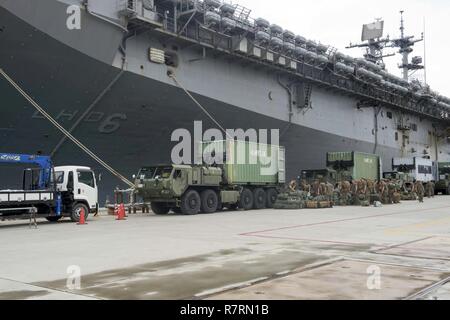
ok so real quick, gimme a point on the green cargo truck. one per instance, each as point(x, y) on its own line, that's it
point(321, 175)
point(443, 184)
point(355, 165)
point(238, 182)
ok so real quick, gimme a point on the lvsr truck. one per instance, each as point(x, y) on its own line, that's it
point(238, 182)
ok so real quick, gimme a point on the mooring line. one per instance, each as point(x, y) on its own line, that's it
point(65, 132)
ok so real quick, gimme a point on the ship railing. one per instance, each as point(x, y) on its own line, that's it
point(127, 7)
point(193, 29)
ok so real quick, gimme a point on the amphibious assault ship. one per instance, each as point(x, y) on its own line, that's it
point(108, 74)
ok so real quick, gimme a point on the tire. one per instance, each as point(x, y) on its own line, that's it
point(272, 195)
point(260, 199)
point(246, 201)
point(191, 203)
point(159, 209)
point(448, 190)
point(210, 201)
point(53, 219)
point(76, 210)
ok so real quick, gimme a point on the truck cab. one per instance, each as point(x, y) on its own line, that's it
point(443, 184)
point(179, 188)
point(162, 183)
point(78, 188)
point(50, 192)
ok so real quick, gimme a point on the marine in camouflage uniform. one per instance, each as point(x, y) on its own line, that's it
point(419, 190)
point(392, 189)
point(316, 189)
point(344, 188)
point(383, 191)
point(397, 197)
point(430, 189)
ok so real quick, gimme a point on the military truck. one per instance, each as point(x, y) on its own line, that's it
point(355, 165)
point(399, 176)
point(322, 175)
point(209, 187)
point(418, 168)
point(443, 183)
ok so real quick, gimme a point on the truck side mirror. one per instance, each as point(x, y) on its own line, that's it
point(99, 177)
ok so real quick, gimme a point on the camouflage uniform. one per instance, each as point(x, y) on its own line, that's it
point(344, 192)
point(419, 190)
point(383, 191)
point(293, 186)
point(397, 193)
point(392, 189)
point(430, 188)
point(316, 189)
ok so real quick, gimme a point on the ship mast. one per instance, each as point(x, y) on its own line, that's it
point(406, 44)
point(373, 40)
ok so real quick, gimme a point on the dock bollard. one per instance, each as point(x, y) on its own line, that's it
point(82, 217)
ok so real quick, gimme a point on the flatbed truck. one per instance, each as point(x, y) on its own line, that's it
point(49, 192)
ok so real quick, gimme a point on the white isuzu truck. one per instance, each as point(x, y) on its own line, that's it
point(49, 192)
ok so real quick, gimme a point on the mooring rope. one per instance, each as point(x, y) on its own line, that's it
point(65, 132)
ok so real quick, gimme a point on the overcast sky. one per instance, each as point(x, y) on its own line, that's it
point(338, 23)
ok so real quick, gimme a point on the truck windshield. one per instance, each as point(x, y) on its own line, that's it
point(146, 173)
point(444, 171)
point(163, 173)
point(315, 174)
point(153, 173)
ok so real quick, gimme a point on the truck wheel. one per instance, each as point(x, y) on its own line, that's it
point(191, 203)
point(54, 219)
point(210, 201)
point(260, 199)
point(448, 190)
point(159, 209)
point(76, 211)
point(272, 195)
point(246, 200)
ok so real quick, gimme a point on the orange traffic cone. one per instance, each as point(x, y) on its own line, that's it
point(82, 217)
point(121, 215)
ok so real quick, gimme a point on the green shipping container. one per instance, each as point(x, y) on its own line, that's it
point(247, 163)
point(356, 164)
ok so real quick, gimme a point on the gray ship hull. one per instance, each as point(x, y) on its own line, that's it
point(129, 125)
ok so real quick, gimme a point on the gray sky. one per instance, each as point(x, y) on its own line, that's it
point(338, 23)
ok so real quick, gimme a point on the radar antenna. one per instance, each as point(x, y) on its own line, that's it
point(372, 39)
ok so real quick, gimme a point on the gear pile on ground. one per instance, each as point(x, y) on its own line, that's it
point(356, 193)
point(291, 200)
